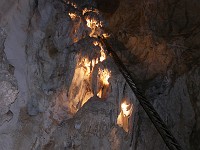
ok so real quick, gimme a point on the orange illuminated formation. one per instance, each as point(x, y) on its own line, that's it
point(103, 55)
point(80, 90)
point(106, 35)
point(104, 76)
point(85, 10)
point(72, 15)
point(126, 109)
point(126, 112)
point(93, 24)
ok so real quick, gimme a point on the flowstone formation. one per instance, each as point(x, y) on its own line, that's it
point(99, 103)
point(71, 79)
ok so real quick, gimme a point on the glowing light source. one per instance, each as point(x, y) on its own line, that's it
point(72, 15)
point(85, 67)
point(126, 109)
point(86, 64)
point(104, 75)
point(106, 35)
point(103, 55)
point(95, 43)
point(126, 112)
point(85, 10)
point(93, 24)
point(103, 84)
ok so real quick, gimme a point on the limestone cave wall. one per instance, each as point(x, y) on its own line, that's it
point(46, 102)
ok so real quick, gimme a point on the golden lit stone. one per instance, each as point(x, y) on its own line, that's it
point(126, 112)
point(72, 15)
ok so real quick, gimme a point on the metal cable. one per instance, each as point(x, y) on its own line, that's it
point(163, 130)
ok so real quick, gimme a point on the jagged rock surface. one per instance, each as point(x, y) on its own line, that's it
point(162, 38)
point(43, 72)
point(8, 84)
point(40, 47)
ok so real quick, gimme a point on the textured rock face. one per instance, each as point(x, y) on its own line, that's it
point(89, 128)
point(164, 43)
point(48, 52)
point(46, 46)
point(193, 89)
point(93, 127)
point(8, 84)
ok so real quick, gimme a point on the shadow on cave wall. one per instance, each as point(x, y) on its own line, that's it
point(163, 39)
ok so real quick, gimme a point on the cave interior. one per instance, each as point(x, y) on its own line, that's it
point(99, 75)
